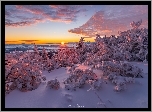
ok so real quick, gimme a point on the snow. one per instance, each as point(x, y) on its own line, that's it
point(100, 81)
point(135, 96)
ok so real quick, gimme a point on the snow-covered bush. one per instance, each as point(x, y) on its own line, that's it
point(71, 78)
point(121, 82)
point(81, 83)
point(70, 87)
point(55, 84)
point(24, 76)
point(71, 69)
point(96, 84)
point(111, 76)
point(79, 78)
point(43, 77)
point(78, 72)
point(130, 70)
point(129, 80)
point(123, 69)
point(118, 80)
point(24, 71)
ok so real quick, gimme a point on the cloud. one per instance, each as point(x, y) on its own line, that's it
point(106, 31)
point(112, 19)
point(17, 24)
point(11, 41)
point(29, 40)
point(87, 37)
point(8, 21)
point(34, 14)
point(31, 9)
point(96, 24)
point(54, 6)
point(7, 13)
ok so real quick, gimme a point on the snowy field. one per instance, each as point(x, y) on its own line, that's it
point(134, 96)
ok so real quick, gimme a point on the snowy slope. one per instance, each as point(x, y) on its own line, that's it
point(135, 96)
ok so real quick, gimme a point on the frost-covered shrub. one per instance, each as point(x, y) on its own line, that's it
point(71, 69)
point(97, 84)
point(55, 84)
point(71, 78)
point(64, 57)
point(78, 72)
point(129, 80)
point(118, 80)
point(67, 81)
point(70, 87)
point(79, 78)
point(130, 70)
point(121, 82)
point(123, 69)
point(24, 71)
point(81, 83)
point(111, 76)
point(43, 77)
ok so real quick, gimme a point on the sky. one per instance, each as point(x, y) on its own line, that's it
point(42, 24)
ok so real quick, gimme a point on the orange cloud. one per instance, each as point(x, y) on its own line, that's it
point(106, 31)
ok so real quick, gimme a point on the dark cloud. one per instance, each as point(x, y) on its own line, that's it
point(7, 13)
point(17, 24)
point(29, 40)
point(40, 13)
point(8, 21)
point(11, 41)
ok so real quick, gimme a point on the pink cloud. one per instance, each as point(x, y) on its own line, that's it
point(30, 9)
point(54, 13)
point(59, 20)
point(111, 20)
point(96, 24)
point(19, 6)
point(54, 6)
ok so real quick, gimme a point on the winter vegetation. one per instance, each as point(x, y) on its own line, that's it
point(113, 56)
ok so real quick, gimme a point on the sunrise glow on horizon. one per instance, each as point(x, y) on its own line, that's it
point(68, 23)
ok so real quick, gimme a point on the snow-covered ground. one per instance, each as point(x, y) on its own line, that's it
point(135, 96)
